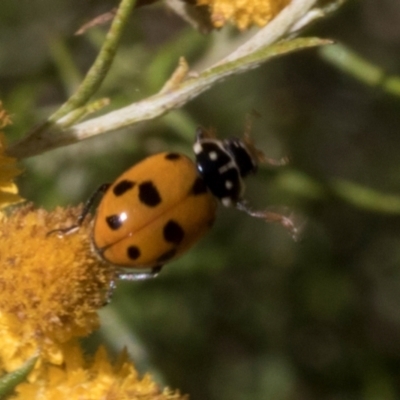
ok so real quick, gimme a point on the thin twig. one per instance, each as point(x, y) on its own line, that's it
point(153, 106)
point(102, 64)
point(257, 50)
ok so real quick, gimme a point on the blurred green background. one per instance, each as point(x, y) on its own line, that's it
point(248, 313)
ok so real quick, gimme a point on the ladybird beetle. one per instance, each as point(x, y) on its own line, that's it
point(159, 208)
point(151, 214)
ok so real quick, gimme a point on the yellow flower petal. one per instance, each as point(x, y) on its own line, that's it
point(77, 379)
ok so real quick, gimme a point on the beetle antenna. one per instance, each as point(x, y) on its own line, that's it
point(257, 153)
point(205, 133)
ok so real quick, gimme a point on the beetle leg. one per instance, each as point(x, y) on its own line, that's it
point(88, 205)
point(292, 222)
point(129, 276)
point(139, 276)
point(109, 293)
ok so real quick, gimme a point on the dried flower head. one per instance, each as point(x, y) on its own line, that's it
point(243, 13)
point(50, 287)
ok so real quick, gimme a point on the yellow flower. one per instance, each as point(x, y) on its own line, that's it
point(50, 287)
point(243, 13)
point(77, 378)
point(50, 290)
point(8, 169)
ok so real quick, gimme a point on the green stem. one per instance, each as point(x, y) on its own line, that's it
point(366, 198)
point(66, 67)
point(102, 64)
point(353, 64)
point(301, 185)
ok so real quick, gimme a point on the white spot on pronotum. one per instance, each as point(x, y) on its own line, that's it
point(213, 155)
point(228, 185)
point(226, 201)
point(229, 165)
point(197, 148)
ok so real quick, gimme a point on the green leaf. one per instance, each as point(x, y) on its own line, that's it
point(9, 382)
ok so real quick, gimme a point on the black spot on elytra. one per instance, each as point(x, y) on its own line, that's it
point(199, 187)
point(114, 222)
point(173, 232)
point(123, 186)
point(166, 256)
point(148, 194)
point(172, 156)
point(133, 252)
